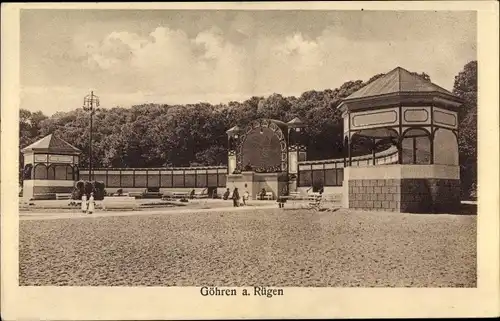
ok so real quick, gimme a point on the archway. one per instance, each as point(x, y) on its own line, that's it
point(416, 147)
point(263, 147)
point(40, 171)
point(445, 147)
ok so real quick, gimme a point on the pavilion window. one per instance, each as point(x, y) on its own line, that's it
point(51, 173)
point(305, 178)
point(318, 176)
point(422, 150)
point(40, 171)
point(60, 172)
point(407, 150)
point(416, 147)
point(69, 173)
point(331, 177)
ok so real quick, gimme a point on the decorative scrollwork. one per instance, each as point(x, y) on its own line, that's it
point(258, 124)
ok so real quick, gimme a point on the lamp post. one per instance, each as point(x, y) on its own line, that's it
point(90, 102)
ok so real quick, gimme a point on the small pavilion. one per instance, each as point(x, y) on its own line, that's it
point(420, 118)
point(50, 167)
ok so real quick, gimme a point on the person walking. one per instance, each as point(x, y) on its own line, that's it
point(91, 204)
point(84, 203)
point(236, 197)
point(282, 198)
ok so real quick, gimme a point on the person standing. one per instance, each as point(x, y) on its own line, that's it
point(91, 204)
point(246, 196)
point(236, 197)
point(84, 203)
point(226, 194)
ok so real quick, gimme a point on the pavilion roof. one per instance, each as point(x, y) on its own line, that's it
point(52, 144)
point(398, 80)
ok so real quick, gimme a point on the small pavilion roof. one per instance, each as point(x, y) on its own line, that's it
point(52, 144)
point(398, 80)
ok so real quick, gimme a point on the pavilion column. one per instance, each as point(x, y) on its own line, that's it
point(349, 150)
point(373, 150)
point(400, 150)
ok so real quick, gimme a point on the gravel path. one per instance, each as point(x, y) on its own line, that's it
point(262, 247)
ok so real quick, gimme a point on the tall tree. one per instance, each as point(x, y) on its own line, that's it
point(465, 87)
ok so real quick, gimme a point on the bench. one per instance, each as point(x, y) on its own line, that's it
point(120, 195)
point(44, 196)
point(152, 195)
point(63, 196)
point(201, 195)
point(135, 194)
point(269, 196)
point(180, 194)
point(119, 202)
point(171, 195)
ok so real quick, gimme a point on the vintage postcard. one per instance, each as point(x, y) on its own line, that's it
point(249, 160)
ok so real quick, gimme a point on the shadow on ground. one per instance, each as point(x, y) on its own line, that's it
point(467, 209)
point(464, 209)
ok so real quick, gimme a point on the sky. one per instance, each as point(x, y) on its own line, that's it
point(180, 57)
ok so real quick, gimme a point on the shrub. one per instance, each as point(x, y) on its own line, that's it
point(98, 189)
point(86, 187)
point(78, 191)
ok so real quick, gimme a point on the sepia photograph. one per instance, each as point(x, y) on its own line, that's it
point(244, 152)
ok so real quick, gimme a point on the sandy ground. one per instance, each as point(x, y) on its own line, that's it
point(268, 247)
point(61, 206)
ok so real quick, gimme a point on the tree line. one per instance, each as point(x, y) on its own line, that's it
point(156, 135)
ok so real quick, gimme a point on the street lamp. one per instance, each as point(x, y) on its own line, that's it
point(90, 102)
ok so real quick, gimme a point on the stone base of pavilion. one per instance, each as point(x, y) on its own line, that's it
point(254, 183)
point(402, 188)
point(32, 189)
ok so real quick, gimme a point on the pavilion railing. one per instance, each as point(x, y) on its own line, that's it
point(165, 177)
point(330, 172)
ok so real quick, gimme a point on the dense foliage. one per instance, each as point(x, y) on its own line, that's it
point(465, 87)
point(155, 135)
point(86, 187)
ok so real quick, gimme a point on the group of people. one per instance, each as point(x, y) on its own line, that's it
point(237, 200)
point(88, 206)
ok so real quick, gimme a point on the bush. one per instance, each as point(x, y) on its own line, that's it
point(78, 191)
point(86, 187)
point(99, 190)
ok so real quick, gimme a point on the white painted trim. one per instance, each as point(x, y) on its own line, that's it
point(44, 182)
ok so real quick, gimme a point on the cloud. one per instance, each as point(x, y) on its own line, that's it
point(168, 65)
